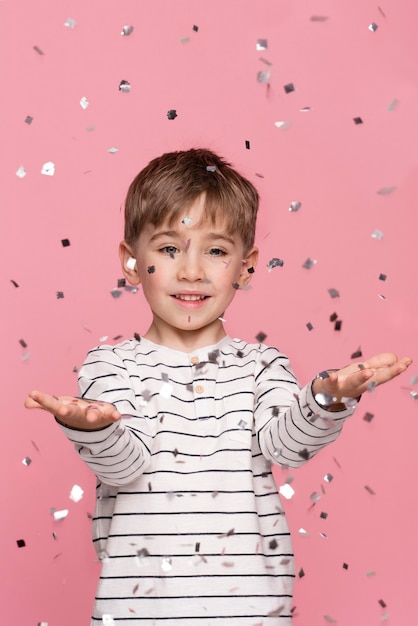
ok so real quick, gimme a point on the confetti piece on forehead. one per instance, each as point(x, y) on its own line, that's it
point(295, 205)
point(21, 172)
point(186, 221)
point(127, 30)
point(48, 169)
point(70, 23)
point(289, 88)
point(125, 86)
point(262, 44)
point(275, 262)
point(151, 269)
point(172, 114)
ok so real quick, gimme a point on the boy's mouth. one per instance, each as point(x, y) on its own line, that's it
point(189, 298)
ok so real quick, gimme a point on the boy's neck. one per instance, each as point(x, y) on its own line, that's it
point(186, 340)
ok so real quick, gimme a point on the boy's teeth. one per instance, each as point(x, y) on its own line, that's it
point(184, 297)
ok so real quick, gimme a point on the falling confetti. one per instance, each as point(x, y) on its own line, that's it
point(28, 120)
point(127, 30)
point(295, 205)
point(373, 27)
point(275, 262)
point(334, 293)
point(357, 120)
point(76, 493)
point(70, 23)
point(172, 114)
point(377, 234)
point(84, 103)
point(262, 44)
point(48, 169)
point(289, 88)
point(21, 172)
point(124, 86)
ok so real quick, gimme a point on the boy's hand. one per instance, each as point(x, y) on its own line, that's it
point(353, 380)
point(74, 412)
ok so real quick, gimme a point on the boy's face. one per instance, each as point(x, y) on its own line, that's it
point(189, 272)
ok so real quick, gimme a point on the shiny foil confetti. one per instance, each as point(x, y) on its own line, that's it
point(287, 491)
point(21, 172)
point(274, 262)
point(27, 461)
point(262, 44)
point(113, 150)
point(84, 103)
point(127, 30)
point(373, 27)
point(295, 205)
point(76, 493)
point(263, 76)
point(48, 169)
point(309, 263)
point(60, 515)
point(70, 23)
point(377, 234)
point(124, 86)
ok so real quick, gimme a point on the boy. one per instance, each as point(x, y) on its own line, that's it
point(181, 425)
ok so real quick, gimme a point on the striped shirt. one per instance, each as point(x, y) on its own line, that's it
point(188, 524)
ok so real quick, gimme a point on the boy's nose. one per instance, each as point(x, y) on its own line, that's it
point(191, 269)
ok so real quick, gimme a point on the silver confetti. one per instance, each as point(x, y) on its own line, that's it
point(27, 461)
point(48, 169)
point(377, 234)
point(76, 493)
point(309, 263)
point(373, 27)
point(113, 150)
point(274, 262)
point(334, 293)
point(127, 30)
point(70, 23)
point(263, 76)
point(21, 172)
point(295, 206)
point(84, 103)
point(262, 44)
point(124, 86)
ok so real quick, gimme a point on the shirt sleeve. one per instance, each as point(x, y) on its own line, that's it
point(119, 453)
point(291, 426)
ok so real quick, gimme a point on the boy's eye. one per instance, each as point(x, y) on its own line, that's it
point(170, 250)
point(217, 252)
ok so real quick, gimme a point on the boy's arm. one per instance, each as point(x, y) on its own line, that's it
point(293, 425)
point(107, 430)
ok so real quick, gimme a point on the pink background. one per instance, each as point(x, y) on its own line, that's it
point(352, 180)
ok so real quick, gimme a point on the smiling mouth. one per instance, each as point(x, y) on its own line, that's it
point(190, 298)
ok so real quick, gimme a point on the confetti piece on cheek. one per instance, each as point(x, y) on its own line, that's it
point(151, 269)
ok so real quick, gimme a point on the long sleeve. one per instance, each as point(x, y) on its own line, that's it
point(119, 453)
point(291, 426)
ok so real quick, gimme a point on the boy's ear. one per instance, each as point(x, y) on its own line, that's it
point(248, 266)
point(129, 263)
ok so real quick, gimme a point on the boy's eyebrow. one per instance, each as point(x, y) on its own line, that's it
point(174, 234)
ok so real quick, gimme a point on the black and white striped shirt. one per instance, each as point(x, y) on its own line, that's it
point(188, 522)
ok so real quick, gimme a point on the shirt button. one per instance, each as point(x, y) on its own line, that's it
point(199, 389)
point(194, 360)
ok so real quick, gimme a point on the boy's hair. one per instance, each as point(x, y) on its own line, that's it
point(171, 183)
